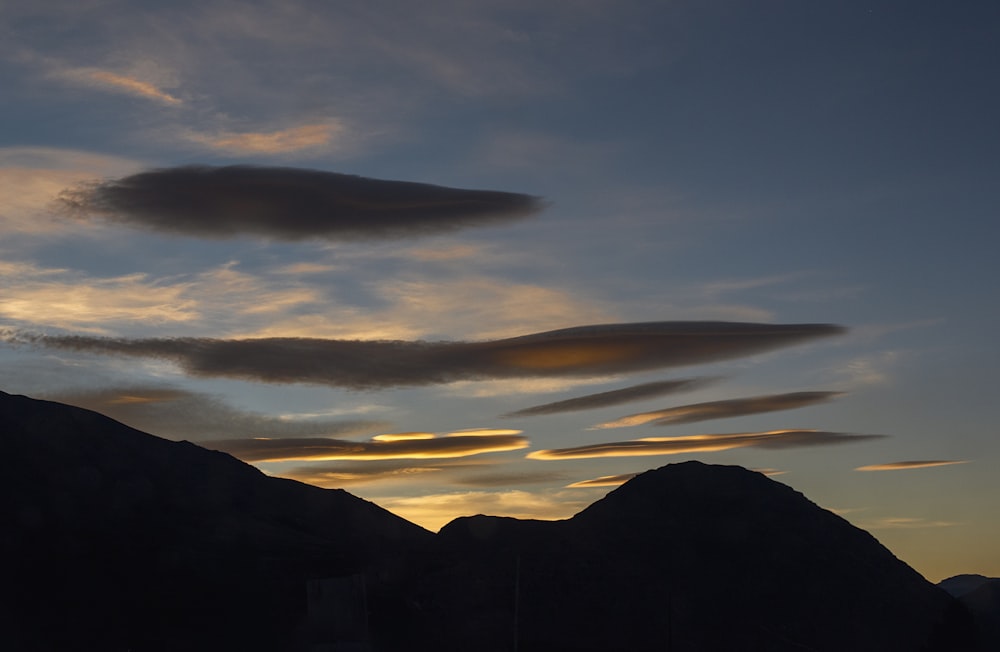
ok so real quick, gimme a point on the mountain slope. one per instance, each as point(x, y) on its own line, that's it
point(127, 540)
point(692, 557)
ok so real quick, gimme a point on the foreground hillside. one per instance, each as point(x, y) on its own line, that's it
point(121, 540)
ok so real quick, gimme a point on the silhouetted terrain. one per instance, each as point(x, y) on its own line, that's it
point(981, 596)
point(115, 540)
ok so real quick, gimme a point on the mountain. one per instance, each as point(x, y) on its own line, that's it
point(116, 539)
point(686, 557)
point(119, 540)
point(981, 596)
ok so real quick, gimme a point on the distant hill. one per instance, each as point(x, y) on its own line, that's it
point(119, 540)
point(981, 596)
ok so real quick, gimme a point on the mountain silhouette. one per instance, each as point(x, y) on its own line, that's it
point(119, 540)
point(981, 596)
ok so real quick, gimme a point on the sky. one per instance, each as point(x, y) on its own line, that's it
point(499, 256)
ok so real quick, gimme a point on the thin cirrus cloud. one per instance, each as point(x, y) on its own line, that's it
point(385, 447)
point(581, 351)
point(721, 409)
point(181, 414)
point(775, 439)
point(613, 397)
point(286, 203)
point(911, 464)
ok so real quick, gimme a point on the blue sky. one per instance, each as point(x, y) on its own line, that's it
point(775, 162)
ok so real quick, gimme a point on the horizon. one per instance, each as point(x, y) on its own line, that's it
point(499, 258)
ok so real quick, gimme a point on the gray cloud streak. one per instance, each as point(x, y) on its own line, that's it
point(582, 351)
point(777, 439)
point(289, 204)
point(736, 407)
point(613, 397)
point(181, 414)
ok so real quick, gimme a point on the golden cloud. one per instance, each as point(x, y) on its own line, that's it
point(603, 481)
point(913, 464)
point(379, 448)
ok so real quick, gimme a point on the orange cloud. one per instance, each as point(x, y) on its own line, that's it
point(913, 464)
point(603, 481)
point(700, 444)
point(282, 141)
point(115, 82)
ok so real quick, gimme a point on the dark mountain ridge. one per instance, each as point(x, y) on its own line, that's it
point(122, 540)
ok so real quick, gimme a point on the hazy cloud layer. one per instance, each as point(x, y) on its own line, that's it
point(383, 447)
point(582, 351)
point(181, 414)
point(775, 439)
point(288, 203)
point(913, 464)
point(736, 407)
point(613, 397)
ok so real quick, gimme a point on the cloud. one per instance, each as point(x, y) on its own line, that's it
point(913, 464)
point(344, 473)
point(283, 141)
point(436, 510)
point(62, 298)
point(456, 444)
point(900, 522)
point(581, 351)
point(614, 397)
point(776, 439)
point(289, 204)
point(118, 83)
point(181, 414)
point(721, 409)
point(32, 177)
point(66, 298)
point(603, 481)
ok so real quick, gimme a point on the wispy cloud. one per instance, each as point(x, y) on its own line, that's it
point(776, 439)
point(912, 464)
point(282, 141)
point(601, 350)
point(721, 409)
point(613, 397)
point(289, 204)
point(31, 179)
point(182, 414)
point(117, 83)
point(899, 522)
point(385, 447)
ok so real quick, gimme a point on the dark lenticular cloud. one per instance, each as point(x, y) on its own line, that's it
point(289, 204)
point(582, 351)
point(736, 407)
point(776, 439)
point(614, 397)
